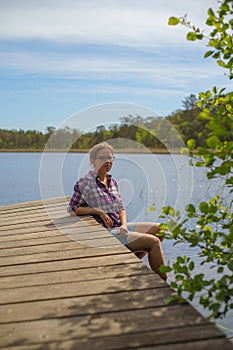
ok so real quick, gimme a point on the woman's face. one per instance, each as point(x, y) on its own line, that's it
point(103, 161)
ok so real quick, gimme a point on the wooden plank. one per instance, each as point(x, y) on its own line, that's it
point(47, 227)
point(37, 249)
point(59, 291)
point(12, 218)
point(39, 204)
point(29, 234)
point(33, 211)
point(44, 237)
point(78, 306)
point(213, 344)
point(26, 229)
point(40, 218)
point(74, 275)
point(59, 222)
point(160, 340)
point(66, 243)
point(50, 202)
point(77, 252)
point(106, 324)
point(67, 264)
point(36, 239)
point(80, 288)
point(25, 225)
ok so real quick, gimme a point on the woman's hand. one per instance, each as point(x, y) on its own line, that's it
point(123, 231)
point(106, 219)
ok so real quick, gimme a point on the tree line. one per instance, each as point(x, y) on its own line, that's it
point(152, 132)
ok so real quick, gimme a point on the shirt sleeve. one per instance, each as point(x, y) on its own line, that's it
point(121, 205)
point(77, 200)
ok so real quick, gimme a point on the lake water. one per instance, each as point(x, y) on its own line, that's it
point(147, 182)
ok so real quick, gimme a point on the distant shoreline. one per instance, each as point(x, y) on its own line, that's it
point(123, 150)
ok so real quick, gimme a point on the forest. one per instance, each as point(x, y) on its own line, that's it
point(152, 132)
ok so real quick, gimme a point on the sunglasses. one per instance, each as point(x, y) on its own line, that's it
point(106, 158)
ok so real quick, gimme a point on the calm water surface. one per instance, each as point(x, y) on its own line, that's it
point(147, 182)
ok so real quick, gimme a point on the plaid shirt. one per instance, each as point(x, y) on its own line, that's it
point(89, 191)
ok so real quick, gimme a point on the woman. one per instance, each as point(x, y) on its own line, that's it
point(97, 194)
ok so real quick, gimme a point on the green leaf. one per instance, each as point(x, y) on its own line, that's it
point(205, 114)
point(225, 7)
point(211, 12)
point(173, 21)
point(230, 265)
point(165, 269)
point(191, 265)
point(208, 53)
point(215, 307)
point(171, 211)
point(170, 300)
point(181, 260)
point(203, 206)
point(179, 277)
point(191, 36)
point(171, 225)
point(165, 210)
point(209, 159)
point(221, 63)
point(213, 141)
point(217, 128)
point(190, 208)
point(151, 209)
point(214, 89)
point(174, 285)
point(194, 240)
point(220, 269)
point(191, 144)
point(200, 36)
point(229, 107)
point(203, 151)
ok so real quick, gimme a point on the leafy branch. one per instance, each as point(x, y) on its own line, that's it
point(220, 39)
point(208, 226)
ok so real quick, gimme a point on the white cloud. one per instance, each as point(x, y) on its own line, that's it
point(62, 65)
point(100, 49)
point(121, 22)
point(57, 37)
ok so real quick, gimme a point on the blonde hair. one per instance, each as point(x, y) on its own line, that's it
point(95, 150)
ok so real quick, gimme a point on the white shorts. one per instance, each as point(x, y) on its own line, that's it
point(124, 240)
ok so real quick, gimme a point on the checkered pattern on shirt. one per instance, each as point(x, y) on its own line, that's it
point(89, 191)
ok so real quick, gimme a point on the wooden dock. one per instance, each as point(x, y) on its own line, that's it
point(67, 284)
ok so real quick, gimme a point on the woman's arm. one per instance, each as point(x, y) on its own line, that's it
point(88, 211)
point(123, 217)
point(95, 211)
point(123, 230)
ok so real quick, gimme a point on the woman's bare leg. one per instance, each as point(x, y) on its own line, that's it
point(151, 228)
point(152, 245)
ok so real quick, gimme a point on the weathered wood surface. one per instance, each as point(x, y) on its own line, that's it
point(67, 284)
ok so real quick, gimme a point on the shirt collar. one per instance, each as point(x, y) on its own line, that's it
point(96, 176)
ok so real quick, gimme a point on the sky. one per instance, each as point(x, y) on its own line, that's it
point(59, 58)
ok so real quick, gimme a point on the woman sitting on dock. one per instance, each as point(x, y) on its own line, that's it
point(97, 194)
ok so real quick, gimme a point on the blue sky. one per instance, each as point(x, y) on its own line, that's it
point(59, 57)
